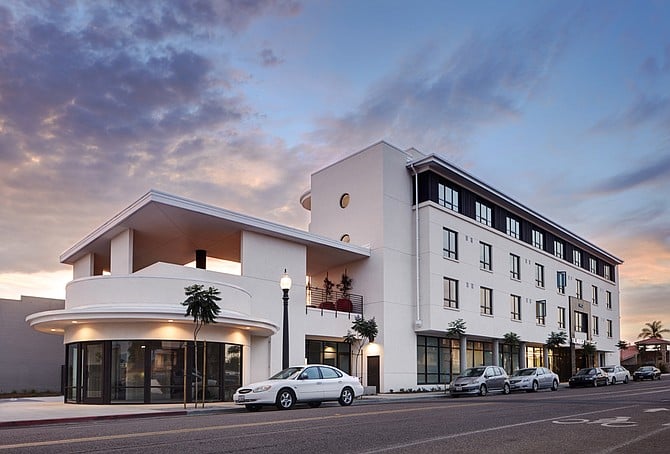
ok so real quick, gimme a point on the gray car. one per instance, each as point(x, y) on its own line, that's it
point(480, 381)
point(531, 379)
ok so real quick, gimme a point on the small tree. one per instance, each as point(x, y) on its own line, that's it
point(201, 305)
point(622, 345)
point(512, 339)
point(555, 340)
point(328, 287)
point(364, 331)
point(589, 351)
point(456, 328)
point(345, 285)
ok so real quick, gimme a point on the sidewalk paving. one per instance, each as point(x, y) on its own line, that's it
point(27, 411)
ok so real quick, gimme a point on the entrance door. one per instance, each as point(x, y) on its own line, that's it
point(92, 368)
point(373, 372)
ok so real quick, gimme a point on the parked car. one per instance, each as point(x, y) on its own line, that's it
point(617, 374)
point(647, 372)
point(589, 376)
point(312, 383)
point(531, 379)
point(480, 380)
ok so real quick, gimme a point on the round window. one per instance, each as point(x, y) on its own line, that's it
point(345, 238)
point(344, 200)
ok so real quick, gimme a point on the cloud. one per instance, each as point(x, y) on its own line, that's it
point(437, 101)
point(268, 58)
point(649, 173)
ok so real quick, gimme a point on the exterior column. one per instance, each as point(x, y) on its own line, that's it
point(463, 342)
point(522, 355)
point(496, 352)
point(200, 259)
point(121, 253)
point(545, 354)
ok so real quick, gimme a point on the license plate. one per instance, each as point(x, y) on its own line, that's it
point(459, 387)
point(240, 399)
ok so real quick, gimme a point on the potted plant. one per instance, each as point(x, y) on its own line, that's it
point(345, 286)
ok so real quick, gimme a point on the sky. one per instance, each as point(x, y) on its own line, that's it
point(561, 105)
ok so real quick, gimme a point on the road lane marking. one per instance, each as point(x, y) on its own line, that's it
point(66, 441)
point(627, 443)
point(490, 429)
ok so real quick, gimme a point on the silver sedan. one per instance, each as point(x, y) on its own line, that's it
point(531, 379)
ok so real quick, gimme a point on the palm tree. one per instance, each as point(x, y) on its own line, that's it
point(589, 350)
point(364, 331)
point(201, 305)
point(653, 329)
point(456, 328)
point(622, 345)
point(554, 341)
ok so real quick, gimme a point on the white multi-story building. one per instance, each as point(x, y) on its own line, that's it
point(425, 243)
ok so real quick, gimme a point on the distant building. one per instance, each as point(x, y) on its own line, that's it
point(424, 242)
point(29, 360)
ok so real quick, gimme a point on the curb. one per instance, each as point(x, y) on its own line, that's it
point(40, 422)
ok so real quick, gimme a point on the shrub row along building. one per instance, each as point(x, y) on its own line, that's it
point(424, 243)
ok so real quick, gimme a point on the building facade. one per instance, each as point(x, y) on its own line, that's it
point(424, 243)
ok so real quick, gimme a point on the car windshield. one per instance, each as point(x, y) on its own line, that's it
point(473, 372)
point(608, 369)
point(524, 372)
point(646, 369)
point(287, 373)
point(586, 372)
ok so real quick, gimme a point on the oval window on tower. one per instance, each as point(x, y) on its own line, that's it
point(345, 238)
point(344, 200)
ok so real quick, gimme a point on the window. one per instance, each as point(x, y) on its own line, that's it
point(483, 213)
point(450, 244)
point(609, 328)
point(581, 322)
point(561, 277)
point(561, 317)
point(486, 301)
point(593, 265)
point(538, 239)
point(607, 272)
point(513, 227)
point(515, 267)
point(596, 330)
point(541, 312)
point(539, 275)
point(558, 249)
point(516, 307)
point(485, 256)
point(608, 299)
point(447, 197)
point(580, 293)
point(450, 293)
point(437, 359)
point(594, 294)
point(576, 257)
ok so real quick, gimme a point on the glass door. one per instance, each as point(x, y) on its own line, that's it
point(92, 367)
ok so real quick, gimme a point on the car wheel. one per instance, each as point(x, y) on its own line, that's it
point(554, 386)
point(482, 390)
point(346, 397)
point(535, 386)
point(595, 383)
point(613, 381)
point(285, 399)
point(625, 380)
point(506, 389)
point(314, 404)
point(252, 407)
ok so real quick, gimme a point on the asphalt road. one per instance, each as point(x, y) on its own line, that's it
point(614, 419)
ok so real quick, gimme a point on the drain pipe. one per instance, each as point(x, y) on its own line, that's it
point(417, 323)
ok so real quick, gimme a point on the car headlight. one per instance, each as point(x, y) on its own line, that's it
point(263, 388)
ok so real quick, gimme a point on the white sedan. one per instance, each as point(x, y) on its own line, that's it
point(312, 383)
point(617, 374)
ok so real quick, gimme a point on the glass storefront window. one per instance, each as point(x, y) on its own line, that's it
point(337, 354)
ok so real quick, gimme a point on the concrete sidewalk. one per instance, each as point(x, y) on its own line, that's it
point(26, 411)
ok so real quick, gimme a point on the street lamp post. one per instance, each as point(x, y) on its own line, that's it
point(285, 284)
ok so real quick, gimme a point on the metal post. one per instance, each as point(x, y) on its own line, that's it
point(285, 362)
